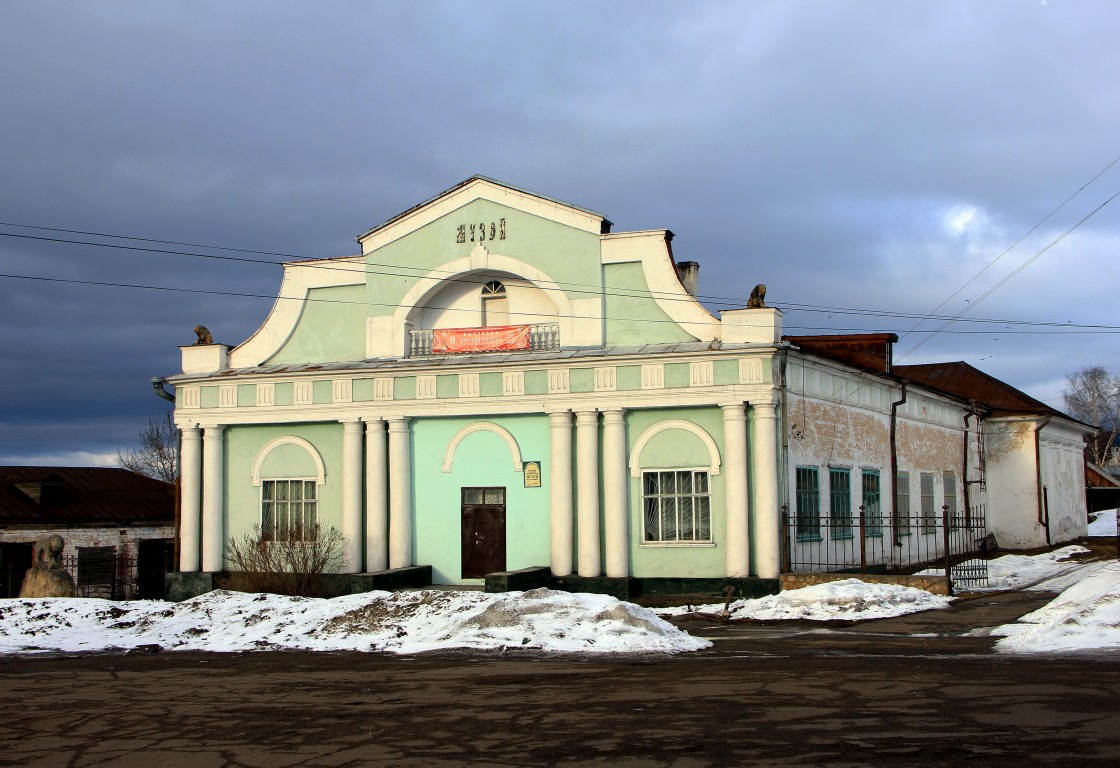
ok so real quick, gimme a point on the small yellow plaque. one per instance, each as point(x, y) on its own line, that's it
point(532, 472)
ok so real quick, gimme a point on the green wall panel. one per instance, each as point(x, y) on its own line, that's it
point(633, 316)
point(285, 392)
point(581, 380)
point(725, 372)
point(404, 388)
point(208, 397)
point(246, 395)
point(363, 390)
point(322, 392)
point(628, 377)
point(481, 459)
point(676, 375)
point(331, 327)
point(536, 382)
point(490, 385)
point(447, 386)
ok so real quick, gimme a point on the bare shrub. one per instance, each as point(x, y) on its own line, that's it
point(289, 561)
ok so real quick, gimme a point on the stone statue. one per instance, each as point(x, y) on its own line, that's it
point(203, 334)
point(758, 297)
point(46, 577)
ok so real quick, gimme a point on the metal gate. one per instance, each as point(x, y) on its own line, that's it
point(954, 544)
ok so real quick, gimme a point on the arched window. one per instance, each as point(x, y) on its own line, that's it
point(495, 304)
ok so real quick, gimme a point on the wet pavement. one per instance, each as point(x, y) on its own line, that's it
point(920, 690)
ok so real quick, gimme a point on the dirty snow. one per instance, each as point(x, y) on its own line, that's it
point(1103, 523)
point(401, 622)
point(849, 599)
point(1037, 572)
point(1085, 616)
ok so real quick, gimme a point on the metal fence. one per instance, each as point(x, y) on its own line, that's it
point(953, 544)
point(102, 572)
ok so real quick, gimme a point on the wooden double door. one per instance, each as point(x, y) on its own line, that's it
point(483, 531)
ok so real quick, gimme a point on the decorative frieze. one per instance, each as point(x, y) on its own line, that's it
point(700, 374)
point(558, 381)
point(750, 371)
point(468, 385)
point(653, 376)
point(383, 388)
point(604, 379)
point(343, 391)
point(266, 394)
point(189, 397)
point(227, 396)
point(425, 387)
point(304, 393)
point(513, 383)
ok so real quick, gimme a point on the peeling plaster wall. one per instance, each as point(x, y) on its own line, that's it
point(1063, 475)
point(1012, 500)
point(930, 439)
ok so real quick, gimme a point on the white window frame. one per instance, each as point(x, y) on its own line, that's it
point(658, 544)
point(266, 533)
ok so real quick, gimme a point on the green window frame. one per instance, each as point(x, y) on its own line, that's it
point(902, 503)
point(676, 506)
point(929, 510)
point(840, 503)
point(289, 509)
point(872, 508)
point(808, 504)
point(949, 481)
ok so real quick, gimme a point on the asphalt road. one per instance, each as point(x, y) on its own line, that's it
point(917, 691)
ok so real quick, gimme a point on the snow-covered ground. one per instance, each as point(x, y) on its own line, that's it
point(400, 622)
point(1103, 523)
point(849, 599)
point(1039, 572)
point(1084, 617)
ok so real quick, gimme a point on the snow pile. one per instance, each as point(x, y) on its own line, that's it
point(1030, 571)
point(1085, 616)
point(400, 622)
point(1103, 523)
point(849, 599)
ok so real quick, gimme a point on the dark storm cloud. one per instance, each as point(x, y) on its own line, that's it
point(872, 155)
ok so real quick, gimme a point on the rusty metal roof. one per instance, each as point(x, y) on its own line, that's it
point(83, 495)
point(964, 381)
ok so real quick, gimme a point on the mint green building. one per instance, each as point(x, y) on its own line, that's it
point(497, 382)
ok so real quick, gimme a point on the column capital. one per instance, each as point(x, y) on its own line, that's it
point(764, 410)
point(212, 431)
point(398, 424)
point(191, 432)
point(560, 419)
point(348, 420)
point(587, 417)
point(614, 416)
point(736, 411)
point(372, 420)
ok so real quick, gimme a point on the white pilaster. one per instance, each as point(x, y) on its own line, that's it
point(400, 496)
point(351, 496)
point(377, 497)
point(616, 478)
point(764, 470)
point(560, 493)
point(213, 532)
point(587, 470)
point(735, 488)
point(190, 485)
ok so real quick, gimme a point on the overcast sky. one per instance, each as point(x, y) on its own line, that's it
point(865, 155)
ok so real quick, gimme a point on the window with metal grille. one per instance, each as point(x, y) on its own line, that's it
point(676, 506)
point(872, 511)
point(840, 503)
point(929, 512)
point(808, 504)
point(289, 509)
point(902, 503)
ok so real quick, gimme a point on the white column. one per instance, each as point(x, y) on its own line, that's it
point(560, 493)
point(351, 496)
point(615, 482)
point(213, 491)
point(190, 488)
point(764, 470)
point(587, 471)
point(400, 496)
point(735, 488)
point(377, 497)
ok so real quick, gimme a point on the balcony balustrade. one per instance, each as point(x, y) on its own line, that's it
point(543, 337)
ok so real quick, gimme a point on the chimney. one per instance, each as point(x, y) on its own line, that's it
point(688, 272)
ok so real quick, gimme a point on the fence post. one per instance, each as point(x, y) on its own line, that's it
point(945, 536)
point(787, 552)
point(862, 542)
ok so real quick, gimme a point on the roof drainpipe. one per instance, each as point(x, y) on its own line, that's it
point(783, 486)
point(894, 464)
point(157, 385)
point(1043, 512)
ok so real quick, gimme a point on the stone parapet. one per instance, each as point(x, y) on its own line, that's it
point(937, 585)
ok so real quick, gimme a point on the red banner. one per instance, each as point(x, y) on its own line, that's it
point(498, 338)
